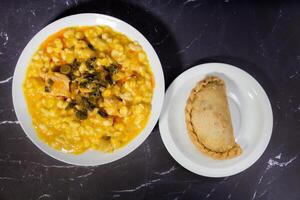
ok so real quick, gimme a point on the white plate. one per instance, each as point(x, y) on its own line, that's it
point(90, 157)
point(250, 111)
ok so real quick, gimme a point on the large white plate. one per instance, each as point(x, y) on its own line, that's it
point(90, 157)
point(250, 111)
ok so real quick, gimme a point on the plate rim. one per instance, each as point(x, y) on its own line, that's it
point(171, 145)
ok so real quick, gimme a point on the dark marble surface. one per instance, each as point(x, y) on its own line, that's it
point(263, 38)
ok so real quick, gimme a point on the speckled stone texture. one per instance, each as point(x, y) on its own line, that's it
point(260, 37)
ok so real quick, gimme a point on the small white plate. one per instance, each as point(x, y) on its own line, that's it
point(250, 111)
point(89, 157)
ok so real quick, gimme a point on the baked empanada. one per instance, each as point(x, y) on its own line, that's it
point(208, 119)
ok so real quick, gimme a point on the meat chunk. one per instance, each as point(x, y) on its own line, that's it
point(60, 84)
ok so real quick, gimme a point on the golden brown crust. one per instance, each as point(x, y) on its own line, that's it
point(232, 152)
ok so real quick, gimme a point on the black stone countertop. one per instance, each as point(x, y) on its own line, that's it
point(262, 38)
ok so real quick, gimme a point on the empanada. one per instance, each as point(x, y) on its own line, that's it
point(208, 119)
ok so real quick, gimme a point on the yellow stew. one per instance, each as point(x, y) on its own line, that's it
point(89, 88)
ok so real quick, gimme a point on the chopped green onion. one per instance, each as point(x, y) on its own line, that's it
point(81, 114)
point(72, 104)
point(91, 46)
point(109, 79)
point(90, 63)
point(112, 68)
point(65, 69)
point(47, 89)
point(75, 64)
point(50, 82)
point(102, 113)
point(83, 84)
